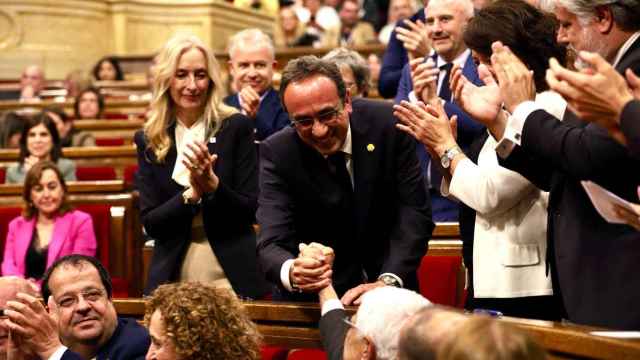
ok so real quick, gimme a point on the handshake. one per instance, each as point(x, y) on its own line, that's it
point(311, 271)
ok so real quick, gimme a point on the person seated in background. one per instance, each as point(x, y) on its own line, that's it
point(81, 321)
point(484, 338)
point(12, 127)
point(40, 141)
point(197, 321)
point(10, 286)
point(352, 31)
point(373, 331)
point(353, 68)
point(32, 82)
point(424, 333)
point(398, 10)
point(69, 136)
point(75, 81)
point(108, 68)
point(318, 17)
point(251, 62)
point(89, 104)
point(48, 229)
point(289, 31)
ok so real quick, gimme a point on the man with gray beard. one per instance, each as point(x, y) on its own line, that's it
point(592, 262)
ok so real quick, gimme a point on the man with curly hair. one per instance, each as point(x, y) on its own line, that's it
point(192, 320)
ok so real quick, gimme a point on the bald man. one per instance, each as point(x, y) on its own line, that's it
point(9, 287)
point(31, 82)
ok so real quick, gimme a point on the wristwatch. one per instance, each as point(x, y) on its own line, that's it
point(447, 157)
point(389, 280)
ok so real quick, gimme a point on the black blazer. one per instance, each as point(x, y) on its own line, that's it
point(594, 263)
point(229, 213)
point(333, 331)
point(129, 341)
point(299, 202)
point(630, 125)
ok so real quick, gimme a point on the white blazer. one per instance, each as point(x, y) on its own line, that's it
point(510, 233)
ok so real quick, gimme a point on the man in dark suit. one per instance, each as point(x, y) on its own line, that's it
point(81, 322)
point(251, 62)
point(396, 55)
point(593, 263)
point(345, 177)
point(445, 23)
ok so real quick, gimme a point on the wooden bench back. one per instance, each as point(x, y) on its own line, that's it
point(295, 325)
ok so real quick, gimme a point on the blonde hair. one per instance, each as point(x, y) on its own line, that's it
point(162, 113)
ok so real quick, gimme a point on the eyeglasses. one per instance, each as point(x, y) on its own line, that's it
point(90, 295)
point(323, 117)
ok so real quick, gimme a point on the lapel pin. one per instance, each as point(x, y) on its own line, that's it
point(212, 140)
point(371, 147)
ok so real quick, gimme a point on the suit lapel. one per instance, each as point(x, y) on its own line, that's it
point(23, 240)
point(630, 58)
point(470, 70)
point(60, 233)
point(365, 161)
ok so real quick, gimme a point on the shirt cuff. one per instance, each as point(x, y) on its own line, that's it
point(284, 274)
point(394, 276)
point(513, 130)
point(329, 305)
point(57, 355)
point(412, 97)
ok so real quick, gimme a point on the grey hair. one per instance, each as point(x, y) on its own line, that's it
point(625, 13)
point(346, 57)
point(250, 37)
point(467, 6)
point(382, 314)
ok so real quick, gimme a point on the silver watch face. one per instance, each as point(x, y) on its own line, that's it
point(445, 161)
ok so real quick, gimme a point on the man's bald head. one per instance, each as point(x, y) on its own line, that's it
point(33, 76)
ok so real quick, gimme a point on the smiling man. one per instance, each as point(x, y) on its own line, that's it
point(81, 322)
point(342, 176)
point(251, 63)
point(427, 80)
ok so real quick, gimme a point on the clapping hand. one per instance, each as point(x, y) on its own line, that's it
point(429, 124)
point(597, 93)
point(29, 161)
point(483, 103)
point(250, 101)
point(414, 39)
point(514, 79)
point(32, 326)
point(200, 165)
point(424, 76)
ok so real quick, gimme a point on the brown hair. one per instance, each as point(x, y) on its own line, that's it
point(204, 322)
point(483, 338)
point(32, 179)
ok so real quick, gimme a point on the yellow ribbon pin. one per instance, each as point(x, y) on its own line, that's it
point(371, 147)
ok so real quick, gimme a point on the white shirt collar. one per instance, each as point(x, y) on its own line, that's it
point(460, 60)
point(183, 136)
point(625, 47)
point(347, 146)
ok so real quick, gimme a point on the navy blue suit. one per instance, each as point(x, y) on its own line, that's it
point(386, 229)
point(229, 213)
point(271, 116)
point(468, 130)
point(130, 341)
point(394, 59)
